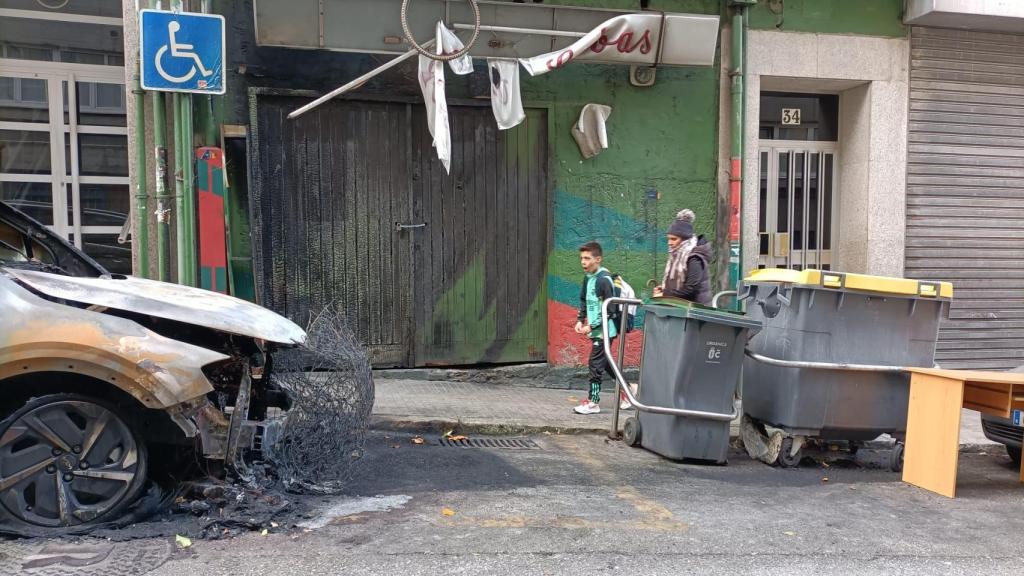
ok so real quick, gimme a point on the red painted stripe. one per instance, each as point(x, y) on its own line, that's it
point(567, 348)
point(735, 200)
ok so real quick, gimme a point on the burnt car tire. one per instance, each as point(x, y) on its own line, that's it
point(67, 462)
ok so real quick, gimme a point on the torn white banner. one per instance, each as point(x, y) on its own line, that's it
point(590, 132)
point(631, 38)
point(431, 77)
point(506, 101)
point(450, 44)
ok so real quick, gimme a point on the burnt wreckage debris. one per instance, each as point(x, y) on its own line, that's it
point(312, 448)
point(330, 383)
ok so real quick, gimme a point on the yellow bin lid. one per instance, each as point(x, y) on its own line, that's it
point(853, 282)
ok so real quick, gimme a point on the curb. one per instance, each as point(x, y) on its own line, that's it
point(441, 426)
point(405, 424)
point(520, 376)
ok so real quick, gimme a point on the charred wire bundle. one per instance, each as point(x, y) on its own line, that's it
point(331, 386)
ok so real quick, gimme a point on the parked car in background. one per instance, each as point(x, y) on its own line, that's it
point(97, 369)
point(1005, 431)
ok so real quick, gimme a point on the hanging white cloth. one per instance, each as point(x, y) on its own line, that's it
point(431, 78)
point(451, 44)
point(506, 100)
point(590, 132)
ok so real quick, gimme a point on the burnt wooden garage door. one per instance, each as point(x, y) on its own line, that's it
point(351, 206)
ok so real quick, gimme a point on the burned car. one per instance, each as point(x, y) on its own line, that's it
point(96, 369)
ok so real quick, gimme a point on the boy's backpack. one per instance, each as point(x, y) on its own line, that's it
point(622, 289)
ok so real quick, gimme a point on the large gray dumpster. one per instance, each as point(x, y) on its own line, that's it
point(690, 367)
point(833, 318)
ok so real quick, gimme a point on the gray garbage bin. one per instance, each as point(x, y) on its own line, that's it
point(691, 361)
point(816, 316)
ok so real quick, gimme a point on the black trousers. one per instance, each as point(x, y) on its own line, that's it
point(598, 366)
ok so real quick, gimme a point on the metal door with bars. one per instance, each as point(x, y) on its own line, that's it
point(797, 204)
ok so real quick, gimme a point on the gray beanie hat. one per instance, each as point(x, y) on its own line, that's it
point(683, 224)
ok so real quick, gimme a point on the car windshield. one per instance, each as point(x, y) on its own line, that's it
point(26, 243)
point(17, 250)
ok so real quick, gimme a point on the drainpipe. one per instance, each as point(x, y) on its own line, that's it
point(737, 72)
point(181, 111)
point(163, 205)
point(207, 102)
point(163, 197)
point(179, 192)
point(189, 187)
point(141, 233)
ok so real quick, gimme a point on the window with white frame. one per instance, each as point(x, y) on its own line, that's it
point(63, 124)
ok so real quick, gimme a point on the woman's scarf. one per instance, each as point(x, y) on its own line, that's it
point(675, 268)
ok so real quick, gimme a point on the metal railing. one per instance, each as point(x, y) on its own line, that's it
point(824, 365)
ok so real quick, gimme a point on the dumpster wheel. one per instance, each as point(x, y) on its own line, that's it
point(896, 458)
point(790, 455)
point(631, 431)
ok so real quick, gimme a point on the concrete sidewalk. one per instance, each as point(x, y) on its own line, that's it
point(438, 406)
point(485, 408)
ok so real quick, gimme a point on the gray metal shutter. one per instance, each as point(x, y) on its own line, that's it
point(965, 189)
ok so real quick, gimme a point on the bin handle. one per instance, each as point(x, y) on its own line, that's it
point(782, 293)
point(779, 296)
point(714, 301)
point(824, 365)
point(624, 387)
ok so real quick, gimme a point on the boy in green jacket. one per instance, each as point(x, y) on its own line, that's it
point(597, 286)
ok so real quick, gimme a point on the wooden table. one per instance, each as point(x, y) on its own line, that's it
point(933, 419)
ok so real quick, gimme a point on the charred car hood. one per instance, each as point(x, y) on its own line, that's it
point(169, 301)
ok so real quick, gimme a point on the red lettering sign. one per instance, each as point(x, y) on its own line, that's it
point(563, 59)
point(624, 43)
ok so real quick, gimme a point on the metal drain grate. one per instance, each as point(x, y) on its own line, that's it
point(498, 443)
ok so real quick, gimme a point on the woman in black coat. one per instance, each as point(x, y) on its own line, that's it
point(689, 261)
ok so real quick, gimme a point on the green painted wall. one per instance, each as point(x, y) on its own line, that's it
point(867, 17)
point(662, 157)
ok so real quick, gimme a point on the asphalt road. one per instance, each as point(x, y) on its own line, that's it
point(583, 505)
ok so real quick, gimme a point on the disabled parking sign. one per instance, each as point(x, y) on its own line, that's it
point(182, 51)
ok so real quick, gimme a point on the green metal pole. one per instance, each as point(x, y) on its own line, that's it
point(736, 155)
point(180, 227)
point(743, 133)
point(163, 209)
point(189, 187)
point(141, 233)
point(207, 102)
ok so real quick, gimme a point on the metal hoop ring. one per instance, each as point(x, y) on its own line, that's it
point(442, 57)
point(51, 6)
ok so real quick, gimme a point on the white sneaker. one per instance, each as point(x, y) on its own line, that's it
point(587, 407)
point(625, 404)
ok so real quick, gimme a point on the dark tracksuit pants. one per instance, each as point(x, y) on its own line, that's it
point(598, 366)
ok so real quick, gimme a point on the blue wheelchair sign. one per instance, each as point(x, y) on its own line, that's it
point(182, 51)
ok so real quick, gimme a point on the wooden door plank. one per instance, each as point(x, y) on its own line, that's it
point(933, 433)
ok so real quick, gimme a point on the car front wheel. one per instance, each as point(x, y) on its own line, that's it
point(1014, 453)
point(68, 460)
